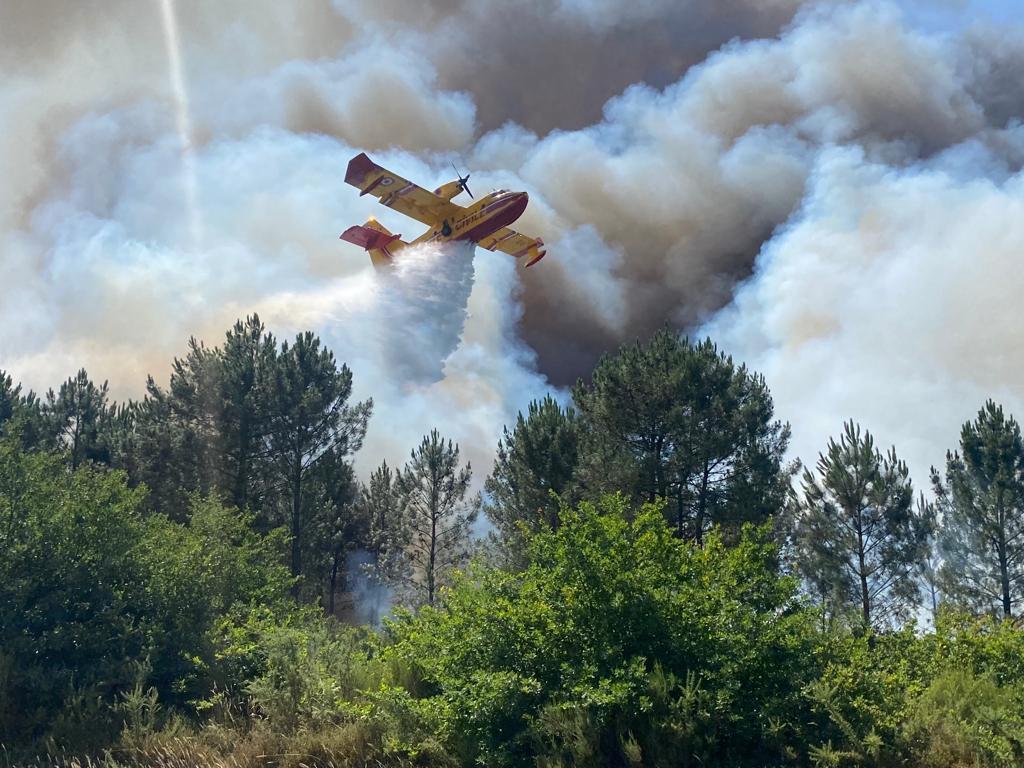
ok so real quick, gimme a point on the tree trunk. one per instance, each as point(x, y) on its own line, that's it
point(241, 485)
point(1004, 580)
point(432, 558)
point(296, 524)
point(865, 600)
point(702, 505)
point(75, 438)
point(865, 596)
point(334, 583)
point(435, 502)
point(659, 486)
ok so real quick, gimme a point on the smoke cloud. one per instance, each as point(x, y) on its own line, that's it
point(689, 181)
point(891, 298)
point(828, 189)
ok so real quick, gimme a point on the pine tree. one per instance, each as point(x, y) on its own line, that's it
point(388, 539)
point(930, 567)
point(190, 403)
point(815, 567)
point(247, 356)
point(535, 467)
point(206, 432)
point(10, 398)
point(861, 536)
point(337, 525)
point(632, 414)
point(163, 452)
point(728, 467)
point(308, 417)
point(982, 506)
point(76, 416)
point(682, 422)
point(21, 415)
point(166, 440)
point(252, 424)
point(380, 499)
point(432, 492)
point(120, 437)
point(388, 531)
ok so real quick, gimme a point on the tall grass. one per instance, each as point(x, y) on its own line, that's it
point(353, 745)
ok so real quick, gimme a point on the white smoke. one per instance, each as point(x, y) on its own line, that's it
point(892, 299)
point(183, 118)
point(372, 598)
point(655, 204)
point(404, 321)
point(107, 277)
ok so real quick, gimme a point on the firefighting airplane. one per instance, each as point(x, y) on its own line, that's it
point(484, 223)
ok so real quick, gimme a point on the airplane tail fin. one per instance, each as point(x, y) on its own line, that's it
point(535, 252)
point(376, 240)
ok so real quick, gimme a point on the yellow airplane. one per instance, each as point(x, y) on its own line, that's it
point(484, 223)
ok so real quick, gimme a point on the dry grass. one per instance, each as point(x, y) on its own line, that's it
point(346, 746)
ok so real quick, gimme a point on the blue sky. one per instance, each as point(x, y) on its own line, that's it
point(954, 14)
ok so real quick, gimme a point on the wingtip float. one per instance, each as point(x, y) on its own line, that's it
point(485, 222)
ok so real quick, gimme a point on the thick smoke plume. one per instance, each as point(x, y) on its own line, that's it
point(824, 186)
point(892, 297)
point(687, 182)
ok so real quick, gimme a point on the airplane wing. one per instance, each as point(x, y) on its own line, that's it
point(515, 244)
point(397, 193)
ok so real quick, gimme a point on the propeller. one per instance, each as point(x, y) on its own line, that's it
point(463, 181)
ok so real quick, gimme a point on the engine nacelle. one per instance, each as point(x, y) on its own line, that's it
point(449, 190)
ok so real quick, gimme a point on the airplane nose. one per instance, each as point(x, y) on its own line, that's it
point(518, 204)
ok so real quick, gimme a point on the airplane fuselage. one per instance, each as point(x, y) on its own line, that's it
point(485, 222)
point(479, 220)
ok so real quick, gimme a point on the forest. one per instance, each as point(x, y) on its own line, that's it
point(647, 577)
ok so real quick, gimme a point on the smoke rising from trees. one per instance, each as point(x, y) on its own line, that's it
point(812, 189)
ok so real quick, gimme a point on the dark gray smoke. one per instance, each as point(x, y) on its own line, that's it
point(688, 182)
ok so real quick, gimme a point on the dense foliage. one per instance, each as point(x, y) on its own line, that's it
point(561, 659)
point(679, 421)
point(97, 598)
point(199, 578)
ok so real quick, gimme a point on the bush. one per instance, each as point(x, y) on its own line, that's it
point(74, 608)
point(965, 721)
point(616, 637)
point(987, 646)
point(92, 592)
point(867, 685)
point(313, 674)
point(944, 699)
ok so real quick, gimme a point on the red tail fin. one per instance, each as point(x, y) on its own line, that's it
point(370, 239)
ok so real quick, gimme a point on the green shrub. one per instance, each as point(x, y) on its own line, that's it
point(867, 686)
point(90, 589)
point(982, 644)
point(313, 674)
point(616, 634)
point(966, 721)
